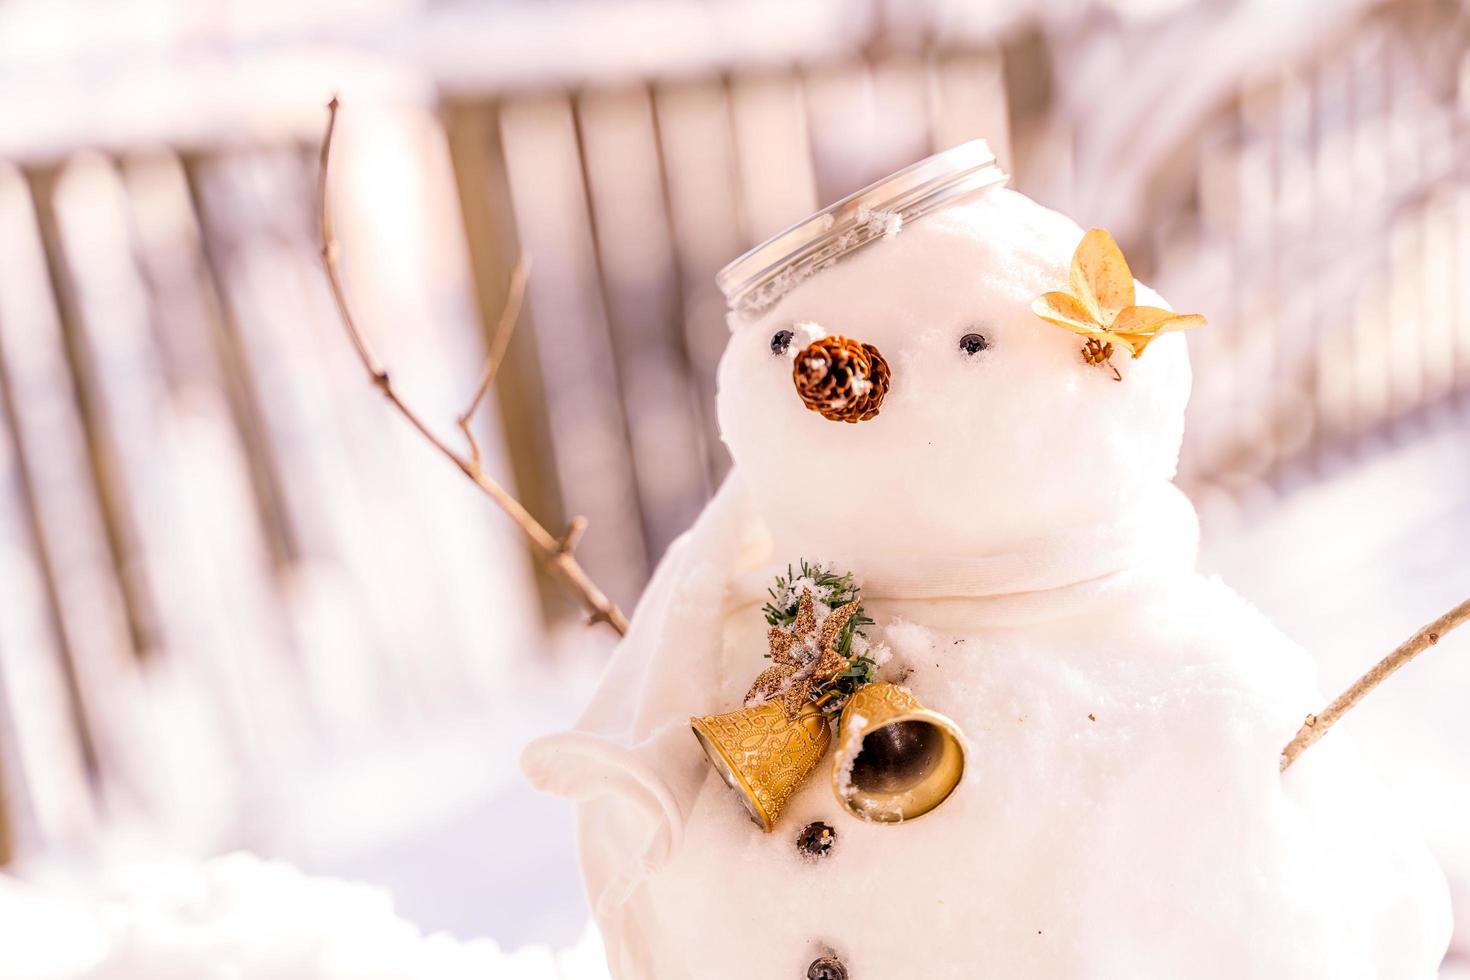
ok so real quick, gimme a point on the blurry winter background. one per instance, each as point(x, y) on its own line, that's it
point(242, 607)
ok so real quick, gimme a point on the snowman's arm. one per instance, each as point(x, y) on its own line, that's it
point(1317, 725)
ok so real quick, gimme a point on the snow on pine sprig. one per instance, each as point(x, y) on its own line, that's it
point(831, 591)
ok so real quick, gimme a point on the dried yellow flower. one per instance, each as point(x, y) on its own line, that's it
point(1100, 305)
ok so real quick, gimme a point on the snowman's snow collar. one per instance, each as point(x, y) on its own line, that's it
point(759, 278)
point(1043, 579)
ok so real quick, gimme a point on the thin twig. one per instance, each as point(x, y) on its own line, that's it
point(499, 340)
point(573, 535)
point(557, 553)
point(1317, 725)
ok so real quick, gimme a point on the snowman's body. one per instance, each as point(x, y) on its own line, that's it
point(1009, 517)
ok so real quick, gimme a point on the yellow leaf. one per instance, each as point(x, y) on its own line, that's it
point(1066, 311)
point(1151, 319)
point(1100, 277)
point(1100, 305)
point(1139, 325)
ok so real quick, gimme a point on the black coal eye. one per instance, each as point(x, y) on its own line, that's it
point(780, 341)
point(973, 343)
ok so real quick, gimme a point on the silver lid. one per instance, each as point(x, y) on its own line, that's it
point(758, 279)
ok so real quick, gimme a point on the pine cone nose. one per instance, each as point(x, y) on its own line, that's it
point(843, 379)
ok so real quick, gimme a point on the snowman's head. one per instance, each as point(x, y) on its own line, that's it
point(993, 429)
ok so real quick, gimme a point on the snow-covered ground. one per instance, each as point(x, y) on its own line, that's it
point(242, 918)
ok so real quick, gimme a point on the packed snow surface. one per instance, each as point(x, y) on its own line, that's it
point(241, 918)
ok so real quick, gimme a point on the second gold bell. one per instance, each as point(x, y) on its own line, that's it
point(896, 759)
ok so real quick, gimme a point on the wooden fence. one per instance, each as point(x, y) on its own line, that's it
point(219, 556)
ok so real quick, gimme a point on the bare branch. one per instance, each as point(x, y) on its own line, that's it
point(573, 535)
point(554, 552)
point(1317, 725)
point(499, 341)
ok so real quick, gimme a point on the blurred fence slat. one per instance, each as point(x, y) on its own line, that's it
point(777, 186)
point(47, 759)
point(51, 451)
point(216, 327)
point(584, 397)
point(707, 219)
point(642, 295)
point(969, 102)
point(477, 153)
point(120, 533)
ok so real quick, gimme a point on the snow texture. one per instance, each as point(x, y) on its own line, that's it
point(885, 223)
point(240, 918)
point(847, 753)
point(1010, 518)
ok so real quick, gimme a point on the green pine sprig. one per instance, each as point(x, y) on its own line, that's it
point(832, 590)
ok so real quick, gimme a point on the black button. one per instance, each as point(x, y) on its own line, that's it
point(973, 343)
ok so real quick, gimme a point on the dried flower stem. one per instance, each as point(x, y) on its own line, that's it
point(1317, 725)
point(557, 553)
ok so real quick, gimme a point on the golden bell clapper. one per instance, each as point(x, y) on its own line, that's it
point(896, 760)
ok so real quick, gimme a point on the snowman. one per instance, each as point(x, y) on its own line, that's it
point(954, 396)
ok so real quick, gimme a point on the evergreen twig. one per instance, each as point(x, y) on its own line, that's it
point(831, 590)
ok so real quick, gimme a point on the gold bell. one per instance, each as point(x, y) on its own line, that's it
point(763, 755)
point(896, 759)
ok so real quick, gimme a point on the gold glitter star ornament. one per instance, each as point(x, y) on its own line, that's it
point(802, 657)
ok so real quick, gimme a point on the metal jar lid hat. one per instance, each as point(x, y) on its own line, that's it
point(758, 279)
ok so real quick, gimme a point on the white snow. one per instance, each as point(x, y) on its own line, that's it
point(850, 741)
point(879, 222)
point(914, 646)
point(804, 333)
point(795, 586)
point(241, 918)
point(876, 652)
